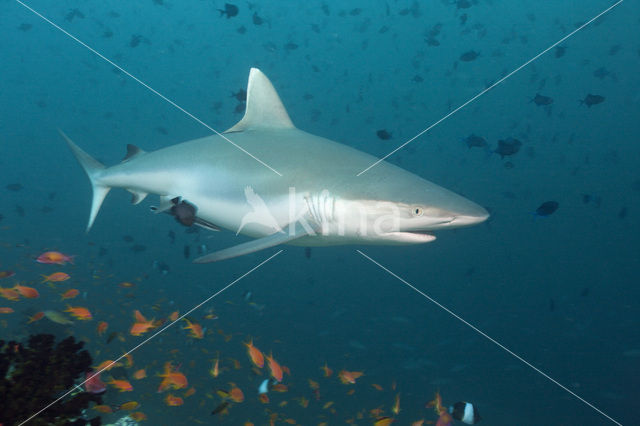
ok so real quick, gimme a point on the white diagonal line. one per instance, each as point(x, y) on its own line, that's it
point(145, 85)
point(491, 339)
point(491, 87)
point(154, 335)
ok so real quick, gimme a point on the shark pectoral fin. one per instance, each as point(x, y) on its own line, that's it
point(293, 233)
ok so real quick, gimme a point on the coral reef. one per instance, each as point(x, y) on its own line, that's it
point(34, 375)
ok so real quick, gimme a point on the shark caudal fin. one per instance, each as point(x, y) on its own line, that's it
point(92, 168)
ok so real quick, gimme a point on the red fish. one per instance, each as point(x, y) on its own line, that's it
point(93, 383)
point(54, 257)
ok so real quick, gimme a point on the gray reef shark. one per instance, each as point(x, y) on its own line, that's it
point(309, 195)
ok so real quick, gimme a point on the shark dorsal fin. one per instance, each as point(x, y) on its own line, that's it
point(264, 107)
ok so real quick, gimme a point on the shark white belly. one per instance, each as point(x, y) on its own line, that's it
point(317, 199)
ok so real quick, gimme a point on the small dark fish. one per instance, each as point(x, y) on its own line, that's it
point(469, 56)
point(290, 46)
point(52, 196)
point(542, 100)
point(240, 95)
point(586, 198)
point(463, 4)
point(614, 49)
point(560, 51)
point(230, 10)
point(187, 251)
point(509, 146)
point(220, 408)
point(74, 13)
point(547, 208)
point(14, 187)
point(135, 40)
point(127, 238)
point(162, 130)
point(112, 336)
point(592, 100)
point(417, 79)
point(257, 20)
point(552, 305)
point(325, 9)
point(107, 34)
point(25, 27)
point(242, 29)
point(307, 252)
point(172, 236)
point(475, 141)
point(355, 12)
point(431, 41)
point(601, 73)
point(384, 134)
point(161, 266)
point(622, 213)
point(463, 19)
point(137, 248)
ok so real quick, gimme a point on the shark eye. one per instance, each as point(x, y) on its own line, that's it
point(417, 211)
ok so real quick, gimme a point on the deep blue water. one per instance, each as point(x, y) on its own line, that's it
point(560, 291)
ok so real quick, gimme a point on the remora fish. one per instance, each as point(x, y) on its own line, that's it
point(315, 199)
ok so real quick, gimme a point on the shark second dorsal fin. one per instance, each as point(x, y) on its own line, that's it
point(264, 107)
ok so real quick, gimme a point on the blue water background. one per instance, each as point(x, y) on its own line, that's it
point(560, 291)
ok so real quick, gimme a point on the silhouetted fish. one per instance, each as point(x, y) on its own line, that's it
point(509, 146)
point(542, 100)
point(137, 248)
point(469, 56)
point(475, 141)
point(257, 20)
point(592, 100)
point(73, 13)
point(230, 10)
point(547, 208)
point(384, 134)
point(14, 187)
point(560, 51)
point(25, 27)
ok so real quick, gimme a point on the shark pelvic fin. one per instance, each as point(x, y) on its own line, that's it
point(92, 168)
point(132, 151)
point(264, 107)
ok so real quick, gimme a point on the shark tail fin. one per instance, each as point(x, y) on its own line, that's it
point(92, 168)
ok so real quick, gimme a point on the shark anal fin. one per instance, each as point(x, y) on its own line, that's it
point(137, 196)
point(293, 232)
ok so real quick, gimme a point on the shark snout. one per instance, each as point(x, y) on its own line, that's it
point(471, 216)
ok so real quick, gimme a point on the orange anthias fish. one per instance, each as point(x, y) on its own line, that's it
point(6, 274)
point(236, 394)
point(327, 371)
point(445, 418)
point(172, 378)
point(349, 377)
point(121, 385)
point(79, 312)
point(195, 329)
point(140, 374)
point(255, 355)
point(69, 294)
point(6, 310)
point(102, 327)
point(56, 277)
point(54, 257)
point(215, 370)
point(138, 416)
point(107, 365)
point(274, 368)
point(173, 401)
point(36, 317)
point(28, 292)
point(142, 325)
point(9, 294)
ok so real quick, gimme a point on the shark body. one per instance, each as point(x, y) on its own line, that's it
point(316, 199)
